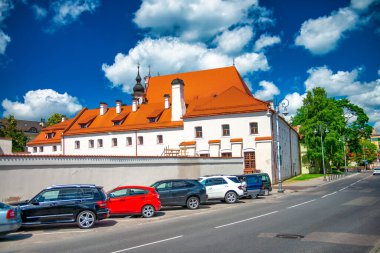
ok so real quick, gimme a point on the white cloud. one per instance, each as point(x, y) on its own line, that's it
point(345, 84)
point(295, 102)
point(4, 40)
point(192, 20)
point(322, 35)
point(266, 41)
point(361, 5)
point(232, 42)
point(342, 83)
point(268, 91)
point(5, 7)
point(39, 12)
point(41, 104)
point(169, 55)
point(66, 12)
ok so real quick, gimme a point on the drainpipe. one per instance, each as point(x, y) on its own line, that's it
point(136, 142)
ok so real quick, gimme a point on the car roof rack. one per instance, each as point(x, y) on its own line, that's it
point(71, 185)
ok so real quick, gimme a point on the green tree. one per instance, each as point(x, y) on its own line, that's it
point(367, 152)
point(55, 119)
point(340, 123)
point(10, 130)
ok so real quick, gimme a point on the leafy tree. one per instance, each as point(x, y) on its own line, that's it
point(367, 152)
point(332, 121)
point(10, 130)
point(55, 119)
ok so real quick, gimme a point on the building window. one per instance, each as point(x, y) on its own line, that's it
point(160, 139)
point(50, 135)
point(114, 142)
point(226, 130)
point(204, 155)
point(100, 143)
point(34, 149)
point(253, 128)
point(249, 162)
point(33, 130)
point(140, 140)
point(41, 149)
point(54, 148)
point(91, 144)
point(77, 144)
point(198, 132)
point(227, 154)
point(129, 141)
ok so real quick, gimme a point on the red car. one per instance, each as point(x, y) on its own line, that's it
point(132, 200)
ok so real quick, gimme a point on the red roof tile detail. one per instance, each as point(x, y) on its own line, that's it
point(155, 113)
point(213, 141)
point(237, 140)
point(187, 143)
point(265, 138)
point(121, 116)
point(86, 120)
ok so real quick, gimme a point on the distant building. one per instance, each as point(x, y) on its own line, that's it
point(30, 128)
point(202, 113)
point(5, 146)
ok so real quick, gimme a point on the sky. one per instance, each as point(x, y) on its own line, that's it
point(59, 56)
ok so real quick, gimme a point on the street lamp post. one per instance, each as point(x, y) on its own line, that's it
point(323, 153)
point(344, 152)
point(284, 104)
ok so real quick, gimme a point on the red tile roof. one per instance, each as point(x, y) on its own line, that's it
point(207, 92)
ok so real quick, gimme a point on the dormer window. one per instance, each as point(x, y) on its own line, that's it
point(155, 115)
point(50, 135)
point(86, 121)
point(119, 119)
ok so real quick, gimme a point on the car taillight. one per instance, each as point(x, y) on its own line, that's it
point(102, 204)
point(240, 187)
point(262, 186)
point(11, 214)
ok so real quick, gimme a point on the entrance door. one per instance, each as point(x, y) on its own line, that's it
point(249, 162)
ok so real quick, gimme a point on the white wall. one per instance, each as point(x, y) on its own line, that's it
point(5, 146)
point(21, 177)
point(47, 150)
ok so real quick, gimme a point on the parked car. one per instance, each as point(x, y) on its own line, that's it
point(225, 188)
point(181, 192)
point(376, 171)
point(10, 218)
point(134, 200)
point(266, 182)
point(80, 203)
point(255, 186)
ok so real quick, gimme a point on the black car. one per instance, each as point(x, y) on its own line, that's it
point(181, 192)
point(83, 204)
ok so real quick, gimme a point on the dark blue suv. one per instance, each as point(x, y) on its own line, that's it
point(181, 192)
point(255, 185)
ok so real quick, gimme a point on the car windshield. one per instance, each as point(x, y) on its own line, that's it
point(234, 179)
point(155, 184)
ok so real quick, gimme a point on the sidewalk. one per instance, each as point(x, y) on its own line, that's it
point(295, 186)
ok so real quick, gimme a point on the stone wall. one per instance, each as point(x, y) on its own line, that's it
point(21, 177)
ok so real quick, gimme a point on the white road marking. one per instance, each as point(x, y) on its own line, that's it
point(328, 195)
point(343, 188)
point(240, 221)
point(303, 203)
point(66, 232)
point(147, 244)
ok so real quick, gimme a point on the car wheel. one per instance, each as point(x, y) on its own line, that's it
point(192, 203)
point(86, 219)
point(147, 211)
point(231, 197)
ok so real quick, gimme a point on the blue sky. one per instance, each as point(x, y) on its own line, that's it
point(60, 56)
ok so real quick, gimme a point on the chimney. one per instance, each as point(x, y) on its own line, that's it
point(167, 103)
point(134, 104)
point(118, 106)
point(103, 108)
point(178, 100)
point(63, 119)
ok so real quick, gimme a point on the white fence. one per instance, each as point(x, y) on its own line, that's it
point(22, 176)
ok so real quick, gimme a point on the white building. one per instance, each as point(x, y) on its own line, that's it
point(202, 113)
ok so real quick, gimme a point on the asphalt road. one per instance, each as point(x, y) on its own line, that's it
point(342, 216)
